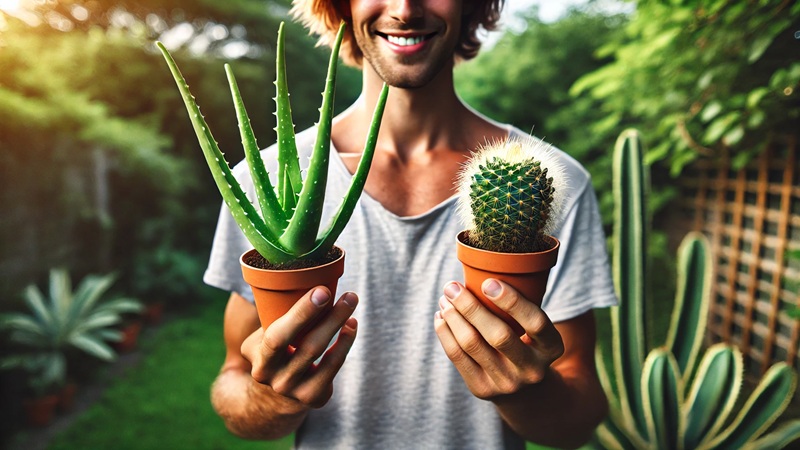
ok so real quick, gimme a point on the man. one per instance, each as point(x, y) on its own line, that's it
point(423, 373)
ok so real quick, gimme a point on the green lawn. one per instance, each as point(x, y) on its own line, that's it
point(163, 403)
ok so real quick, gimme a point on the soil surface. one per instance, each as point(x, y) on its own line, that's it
point(255, 259)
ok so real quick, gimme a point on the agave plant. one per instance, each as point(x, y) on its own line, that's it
point(289, 229)
point(661, 400)
point(506, 197)
point(81, 320)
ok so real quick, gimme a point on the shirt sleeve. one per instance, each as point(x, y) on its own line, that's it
point(581, 279)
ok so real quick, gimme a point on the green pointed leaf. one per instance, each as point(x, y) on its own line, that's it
point(89, 292)
point(662, 389)
point(690, 313)
point(36, 302)
point(713, 394)
point(301, 234)
point(290, 182)
point(242, 210)
point(786, 434)
point(274, 216)
point(765, 405)
point(60, 292)
point(629, 274)
point(342, 216)
point(93, 347)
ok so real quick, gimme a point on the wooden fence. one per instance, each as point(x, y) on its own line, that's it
point(752, 217)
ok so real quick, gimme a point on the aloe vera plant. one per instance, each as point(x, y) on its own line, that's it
point(664, 399)
point(509, 194)
point(288, 228)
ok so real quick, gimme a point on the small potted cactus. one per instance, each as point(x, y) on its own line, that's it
point(290, 254)
point(508, 195)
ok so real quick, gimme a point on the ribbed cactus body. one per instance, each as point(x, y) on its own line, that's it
point(510, 202)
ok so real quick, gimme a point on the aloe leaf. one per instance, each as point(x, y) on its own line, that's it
point(301, 234)
point(690, 313)
point(89, 292)
point(713, 394)
point(60, 292)
point(36, 302)
point(289, 180)
point(242, 210)
point(93, 346)
point(662, 389)
point(763, 407)
point(342, 216)
point(786, 434)
point(265, 193)
point(606, 381)
point(612, 438)
point(629, 274)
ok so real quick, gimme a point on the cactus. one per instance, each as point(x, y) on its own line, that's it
point(288, 228)
point(506, 197)
point(660, 401)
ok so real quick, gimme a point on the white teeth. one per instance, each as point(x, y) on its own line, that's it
point(404, 41)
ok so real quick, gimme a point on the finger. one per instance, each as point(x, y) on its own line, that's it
point(467, 337)
point(317, 389)
point(316, 341)
point(539, 329)
point(473, 374)
point(494, 330)
point(281, 333)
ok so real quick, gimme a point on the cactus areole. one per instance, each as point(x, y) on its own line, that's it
point(508, 197)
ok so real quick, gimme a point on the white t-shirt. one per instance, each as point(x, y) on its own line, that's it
point(397, 388)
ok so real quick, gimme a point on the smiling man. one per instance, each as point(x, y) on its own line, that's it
point(427, 369)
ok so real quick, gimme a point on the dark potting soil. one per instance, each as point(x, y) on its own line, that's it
point(255, 259)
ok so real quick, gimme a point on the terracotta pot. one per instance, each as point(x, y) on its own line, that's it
point(276, 291)
point(130, 337)
point(66, 396)
point(525, 272)
point(153, 313)
point(39, 411)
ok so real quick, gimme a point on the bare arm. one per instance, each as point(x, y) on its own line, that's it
point(544, 383)
point(266, 387)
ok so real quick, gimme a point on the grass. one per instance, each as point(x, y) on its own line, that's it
point(164, 401)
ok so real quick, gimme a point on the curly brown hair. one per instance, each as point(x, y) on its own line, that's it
point(322, 17)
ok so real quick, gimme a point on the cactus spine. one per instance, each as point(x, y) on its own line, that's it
point(508, 196)
point(288, 228)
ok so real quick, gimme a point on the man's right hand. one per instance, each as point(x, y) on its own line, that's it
point(296, 371)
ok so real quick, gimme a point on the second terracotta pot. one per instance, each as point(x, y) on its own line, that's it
point(525, 272)
point(276, 291)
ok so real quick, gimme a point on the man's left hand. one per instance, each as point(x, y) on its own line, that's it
point(491, 358)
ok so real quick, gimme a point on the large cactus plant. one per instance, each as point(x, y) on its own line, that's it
point(659, 400)
point(509, 194)
point(288, 228)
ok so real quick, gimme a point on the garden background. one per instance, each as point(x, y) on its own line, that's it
point(100, 170)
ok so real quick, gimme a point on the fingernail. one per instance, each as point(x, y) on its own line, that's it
point(350, 299)
point(452, 290)
point(492, 288)
point(319, 297)
point(438, 315)
point(442, 303)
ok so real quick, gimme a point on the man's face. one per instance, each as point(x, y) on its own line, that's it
point(407, 42)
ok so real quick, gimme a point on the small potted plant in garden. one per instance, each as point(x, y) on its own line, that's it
point(290, 253)
point(81, 320)
point(509, 196)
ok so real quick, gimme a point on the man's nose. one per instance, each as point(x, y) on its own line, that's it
point(405, 10)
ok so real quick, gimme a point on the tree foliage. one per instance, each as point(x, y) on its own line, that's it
point(695, 75)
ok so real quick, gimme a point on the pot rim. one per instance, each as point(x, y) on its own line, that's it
point(304, 269)
point(506, 262)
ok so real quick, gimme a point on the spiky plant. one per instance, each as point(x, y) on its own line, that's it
point(509, 194)
point(288, 226)
point(64, 321)
point(661, 401)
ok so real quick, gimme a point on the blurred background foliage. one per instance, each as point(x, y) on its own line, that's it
point(100, 170)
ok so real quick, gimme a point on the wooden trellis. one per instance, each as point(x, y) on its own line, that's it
point(752, 217)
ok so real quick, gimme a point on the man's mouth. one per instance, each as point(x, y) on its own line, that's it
point(405, 41)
